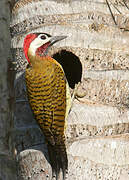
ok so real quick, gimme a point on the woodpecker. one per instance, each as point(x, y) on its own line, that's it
point(49, 96)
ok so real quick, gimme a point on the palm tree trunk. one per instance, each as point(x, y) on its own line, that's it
point(98, 124)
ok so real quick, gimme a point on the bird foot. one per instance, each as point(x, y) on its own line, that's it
point(75, 92)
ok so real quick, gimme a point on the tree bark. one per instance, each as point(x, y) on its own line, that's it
point(98, 124)
point(7, 160)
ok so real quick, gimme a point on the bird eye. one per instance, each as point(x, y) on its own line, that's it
point(43, 37)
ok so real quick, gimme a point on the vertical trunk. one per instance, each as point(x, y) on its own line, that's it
point(7, 162)
point(98, 124)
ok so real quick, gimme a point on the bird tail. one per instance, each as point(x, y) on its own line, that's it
point(58, 159)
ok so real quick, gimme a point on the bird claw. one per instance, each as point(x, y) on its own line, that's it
point(75, 91)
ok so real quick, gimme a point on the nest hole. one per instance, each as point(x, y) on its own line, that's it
point(71, 65)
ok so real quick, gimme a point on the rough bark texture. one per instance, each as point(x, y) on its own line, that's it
point(98, 125)
point(7, 161)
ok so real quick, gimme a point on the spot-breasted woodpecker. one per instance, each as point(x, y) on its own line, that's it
point(48, 96)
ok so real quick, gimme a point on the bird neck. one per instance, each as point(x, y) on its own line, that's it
point(38, 62)
point(41, 62)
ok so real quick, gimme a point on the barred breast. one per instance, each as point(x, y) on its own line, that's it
point(47, 97)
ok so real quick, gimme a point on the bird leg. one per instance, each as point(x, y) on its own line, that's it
point(74, 92)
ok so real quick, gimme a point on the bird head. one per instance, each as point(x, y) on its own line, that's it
point(39, 43)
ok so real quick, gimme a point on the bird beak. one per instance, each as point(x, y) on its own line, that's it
point(55, 39)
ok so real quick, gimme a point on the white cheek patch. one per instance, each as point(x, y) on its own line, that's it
point(36, 43)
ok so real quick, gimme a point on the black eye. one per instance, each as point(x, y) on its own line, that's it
point(43, 37)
